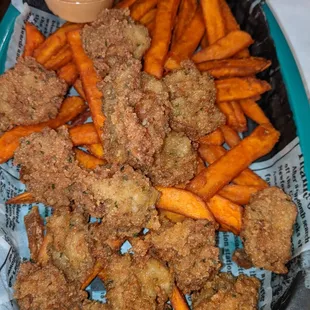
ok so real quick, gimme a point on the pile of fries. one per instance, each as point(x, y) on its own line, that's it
point(205, 32)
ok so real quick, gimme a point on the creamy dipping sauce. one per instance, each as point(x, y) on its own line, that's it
point(81, 11)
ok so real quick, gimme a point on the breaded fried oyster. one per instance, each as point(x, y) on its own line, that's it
point(192, 95)
point(226, 292)
point(267, 229)
point(30, 94)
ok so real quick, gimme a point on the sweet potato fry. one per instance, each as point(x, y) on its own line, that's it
point(239, 194)
point(9, 141)
point(231, 25)
point(96, 149)
point(35, 232)
point(214, 22)
point(211, 153)
point(188, 42)
point(81, 118)
point(63, 57)
point(89, 80)
point(186, 12)
point(231, 137)
point(69, 73)
point(88, 161)
point(53, 44)
point(150, 27)
point(240, 88)
point(20, 199)
point(214, 138)
point(34, 38)
point(154, 58)
point(234, 67)
point(240, 117)
point(93, 274)
point(43, 256)
point(204, 41)
point(124, 4)
point(253, 111)
point(173, 217)
point(79, 88)
point(226, 212)
point(183, 202)
point(227, 109)
point(148, 17)
point(84, 134)
point(226, 168)
point(141, 7)
point(225, 47)
point(178, 300)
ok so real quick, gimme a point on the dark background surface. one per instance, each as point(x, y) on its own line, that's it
point(3, 6)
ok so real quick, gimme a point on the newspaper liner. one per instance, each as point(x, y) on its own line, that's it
point(285, 169)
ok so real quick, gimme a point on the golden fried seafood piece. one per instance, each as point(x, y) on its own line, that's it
point(137, 284)
point(226, 292)
point(189, 249)
point(46, 288)
point(92, 305)
point(30, 94)
point(71, 245)
point(267, 229)
point(175, 163)
point(137, 110)
point(192, 95)
point(128, 201)
point(54, 177)
point(114, 33)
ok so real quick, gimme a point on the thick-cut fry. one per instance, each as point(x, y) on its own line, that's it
point(178, 300)
point(187, 43)
point(89, 80)
point(183, 202)
point(212, 179)
point(211, 153)
point(253, 111)
point(173, 217)
point(63, 57)
point(35, 232)
point(240, 117)
point(227, 109)
point(227, 213)
point(150, 27)
point(148, 17)
point(239, 88)
point(69, 73)
point(186, 13)
point(239, 194)
point(125, 4)
point(84, 134)
point(34, 38)
point(154, 58)
point(235, 67)
point(88, 161)
point(214, 22)
point(9, 141)
point(141, 7)
point(43, 256)
point(226, 47)
point(96, 149)
point(214, 138)
point(79, 88)
point(21, 198)
point(204, 41)
point(93, 274)
point(232, 25)
point(53, 44)
point(231, 137)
